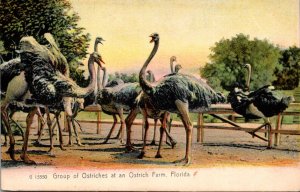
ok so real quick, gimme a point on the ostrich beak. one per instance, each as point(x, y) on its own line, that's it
point(101, 41)
point(152, 38)
point(101, 60)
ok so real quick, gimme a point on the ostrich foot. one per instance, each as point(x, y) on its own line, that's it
point(51, 153)
point(37, 143)
point(129, 148)
point(62, 147)
point(121, 141)
point(70, 144)
point(141, 155)
point(104, 142)
point(153, 143)
point(11, 152)
point(26, 160)
point(172, 144)
point(80, 144)
point(183, 162)
point(158, 155)
point(5, 144)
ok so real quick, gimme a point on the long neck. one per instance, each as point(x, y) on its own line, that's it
point(146, 86)
point(172, 65)
point(83, 92)
point(105, 78)
point(96, 46)
point(99, 81)
point(249, 76)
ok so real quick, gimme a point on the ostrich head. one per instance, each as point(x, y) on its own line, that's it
point(177, 68)
point(99, 40)
point(173, 58)
point(31, 48)
point(154, 37)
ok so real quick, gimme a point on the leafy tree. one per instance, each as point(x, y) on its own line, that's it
point(2, 51)
point(127, 78)
point(36, 17)
point(288, 77)
point(229, 55)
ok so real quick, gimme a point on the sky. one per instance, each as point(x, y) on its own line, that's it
point(187, 28)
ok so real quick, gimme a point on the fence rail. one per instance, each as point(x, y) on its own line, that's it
point(224, 109)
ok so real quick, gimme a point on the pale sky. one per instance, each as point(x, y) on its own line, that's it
point(187, 28)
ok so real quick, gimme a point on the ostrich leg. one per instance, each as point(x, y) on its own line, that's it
point(4, 132)
point(162, 130)
point(4, 117)
point(49, 123)
point(146, 128)
point(61, 142)
point(169, 124)
point(122, 127)
point(154, 134)
point(129, 120)
point(111, 130)
point(70, 131)
point(76, 132)
point(184, 114)
point(29, 121)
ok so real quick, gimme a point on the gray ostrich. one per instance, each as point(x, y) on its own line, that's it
point(261, 103)
point(145, 108)
point(117, 100)
point(176, 93)
point(59, 63)
point(48, 86)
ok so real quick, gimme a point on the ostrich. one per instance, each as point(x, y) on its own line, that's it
point(117, 100)
point(176, 93)
point(59, 62)
point(152, 113)
point(48, 86)
point(261, 103)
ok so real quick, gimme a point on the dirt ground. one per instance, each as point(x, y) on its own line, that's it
point(220, 148)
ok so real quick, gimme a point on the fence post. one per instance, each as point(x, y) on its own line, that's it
point(200, 131)
point(98, 122)
point(278, 126)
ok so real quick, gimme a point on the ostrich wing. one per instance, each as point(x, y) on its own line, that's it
point(9, 70)
point(269, 102)
point(127, 94)
point(186, 88)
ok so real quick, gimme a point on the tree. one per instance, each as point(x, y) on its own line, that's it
point(36, 17)
point(288, 77)
point(229, 55)
point(2, 51)
point(127, 78)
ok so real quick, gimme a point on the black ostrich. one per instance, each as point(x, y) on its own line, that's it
point(150, 112)
point(116, 99)
point(176, 93)
point(151, 78)
point(261, 103)
point(18, 88)
point(48, 86)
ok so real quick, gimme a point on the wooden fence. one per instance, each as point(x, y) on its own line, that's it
point(216, 111)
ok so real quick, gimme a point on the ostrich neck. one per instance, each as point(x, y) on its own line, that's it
point(105, 78)
point(146, 86)
point(172, 65)
point(249, 77)
point(99, 80)
point(83, 92)
point(96, 46)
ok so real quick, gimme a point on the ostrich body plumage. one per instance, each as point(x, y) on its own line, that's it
point(265, 102)
point(123, 96)
point(185, 88)
point(9, 70)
